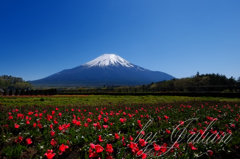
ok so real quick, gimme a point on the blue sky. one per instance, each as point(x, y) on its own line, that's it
point(179, 37)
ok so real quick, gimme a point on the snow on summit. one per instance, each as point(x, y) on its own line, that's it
point(108, 60)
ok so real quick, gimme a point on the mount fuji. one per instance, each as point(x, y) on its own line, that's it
point(107, 69)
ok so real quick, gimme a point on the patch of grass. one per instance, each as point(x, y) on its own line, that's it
point(95, 100)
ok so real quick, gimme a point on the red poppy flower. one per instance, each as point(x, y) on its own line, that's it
point(53, 142)
point(92, 146)
point(156, 147)
point(109, 148)
point(143, 155)
point(92, 154)
point(98, 148)
point(210, 152)
point(89, 120)
point(132, 145)
point(60, 127)
point(191, 146)
point(19, 139)
point(100, 138)
point(130, 138)
point(168, 131)
point(50, 154)
point(109, 157)
point(105, 120)
point(142, 142)
point(105, 126)
point(16, 125)
point(117, 136)
point(176, 145)
point(62, 148)
point(78, 123)
point(29, 141)
point(166, 117)
point(52, 133)
point(181, 122)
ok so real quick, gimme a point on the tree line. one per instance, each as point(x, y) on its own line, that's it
point(17, 86)
point(16, 82)
point(204, 83)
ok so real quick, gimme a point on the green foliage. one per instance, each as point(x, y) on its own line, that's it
point(103, 99)
point(17, 82)
point(14, 151)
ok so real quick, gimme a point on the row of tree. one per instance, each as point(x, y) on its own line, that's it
point(17, 92)
point(14, 82)
point(197, 83)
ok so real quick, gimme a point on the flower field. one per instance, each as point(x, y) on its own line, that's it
point(203, 129)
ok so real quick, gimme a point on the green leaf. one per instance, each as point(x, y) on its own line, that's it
point(86, 155)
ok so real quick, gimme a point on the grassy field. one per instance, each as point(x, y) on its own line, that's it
point(95, 100)
point(108, 127)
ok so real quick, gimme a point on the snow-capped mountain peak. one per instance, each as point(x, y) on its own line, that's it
point(108, 60)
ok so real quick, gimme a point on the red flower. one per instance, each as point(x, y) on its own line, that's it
point(132, 145)
point(117, 136)
point(181, 122)
point(29, 141)
point(19, 139)
point(105, 120)
point(163, 148)
point(156, 147)
point(109, 148)
point(89, 120)
point(78, 123)
point(105, 126)
point(168, 131)
point(100, 138)
point(92, 146)
point(86, 124)
point(40, 126)
point(176, 145)
point(16, 125)
point(130, 138)
point(210, 152)
point(122, 120)
point(50, 154)
point(109, 157)
point(60, 127)
point(140, 153)
point(27, 122)
point(191, 146)
point(55, 121)
point(166, 117)
point(62, 148)
point(142, 142)
point(98, 148)
point(92, 154)
point(52, 133)
point(53, 142)
point(232, 125)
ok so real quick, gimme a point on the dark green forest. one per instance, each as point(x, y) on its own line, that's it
point(204, 83)
point(16, 82)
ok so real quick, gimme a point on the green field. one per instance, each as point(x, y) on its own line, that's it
point(95, 100)
point(108, 127)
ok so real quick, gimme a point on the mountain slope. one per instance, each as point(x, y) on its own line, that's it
point(107, 69)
